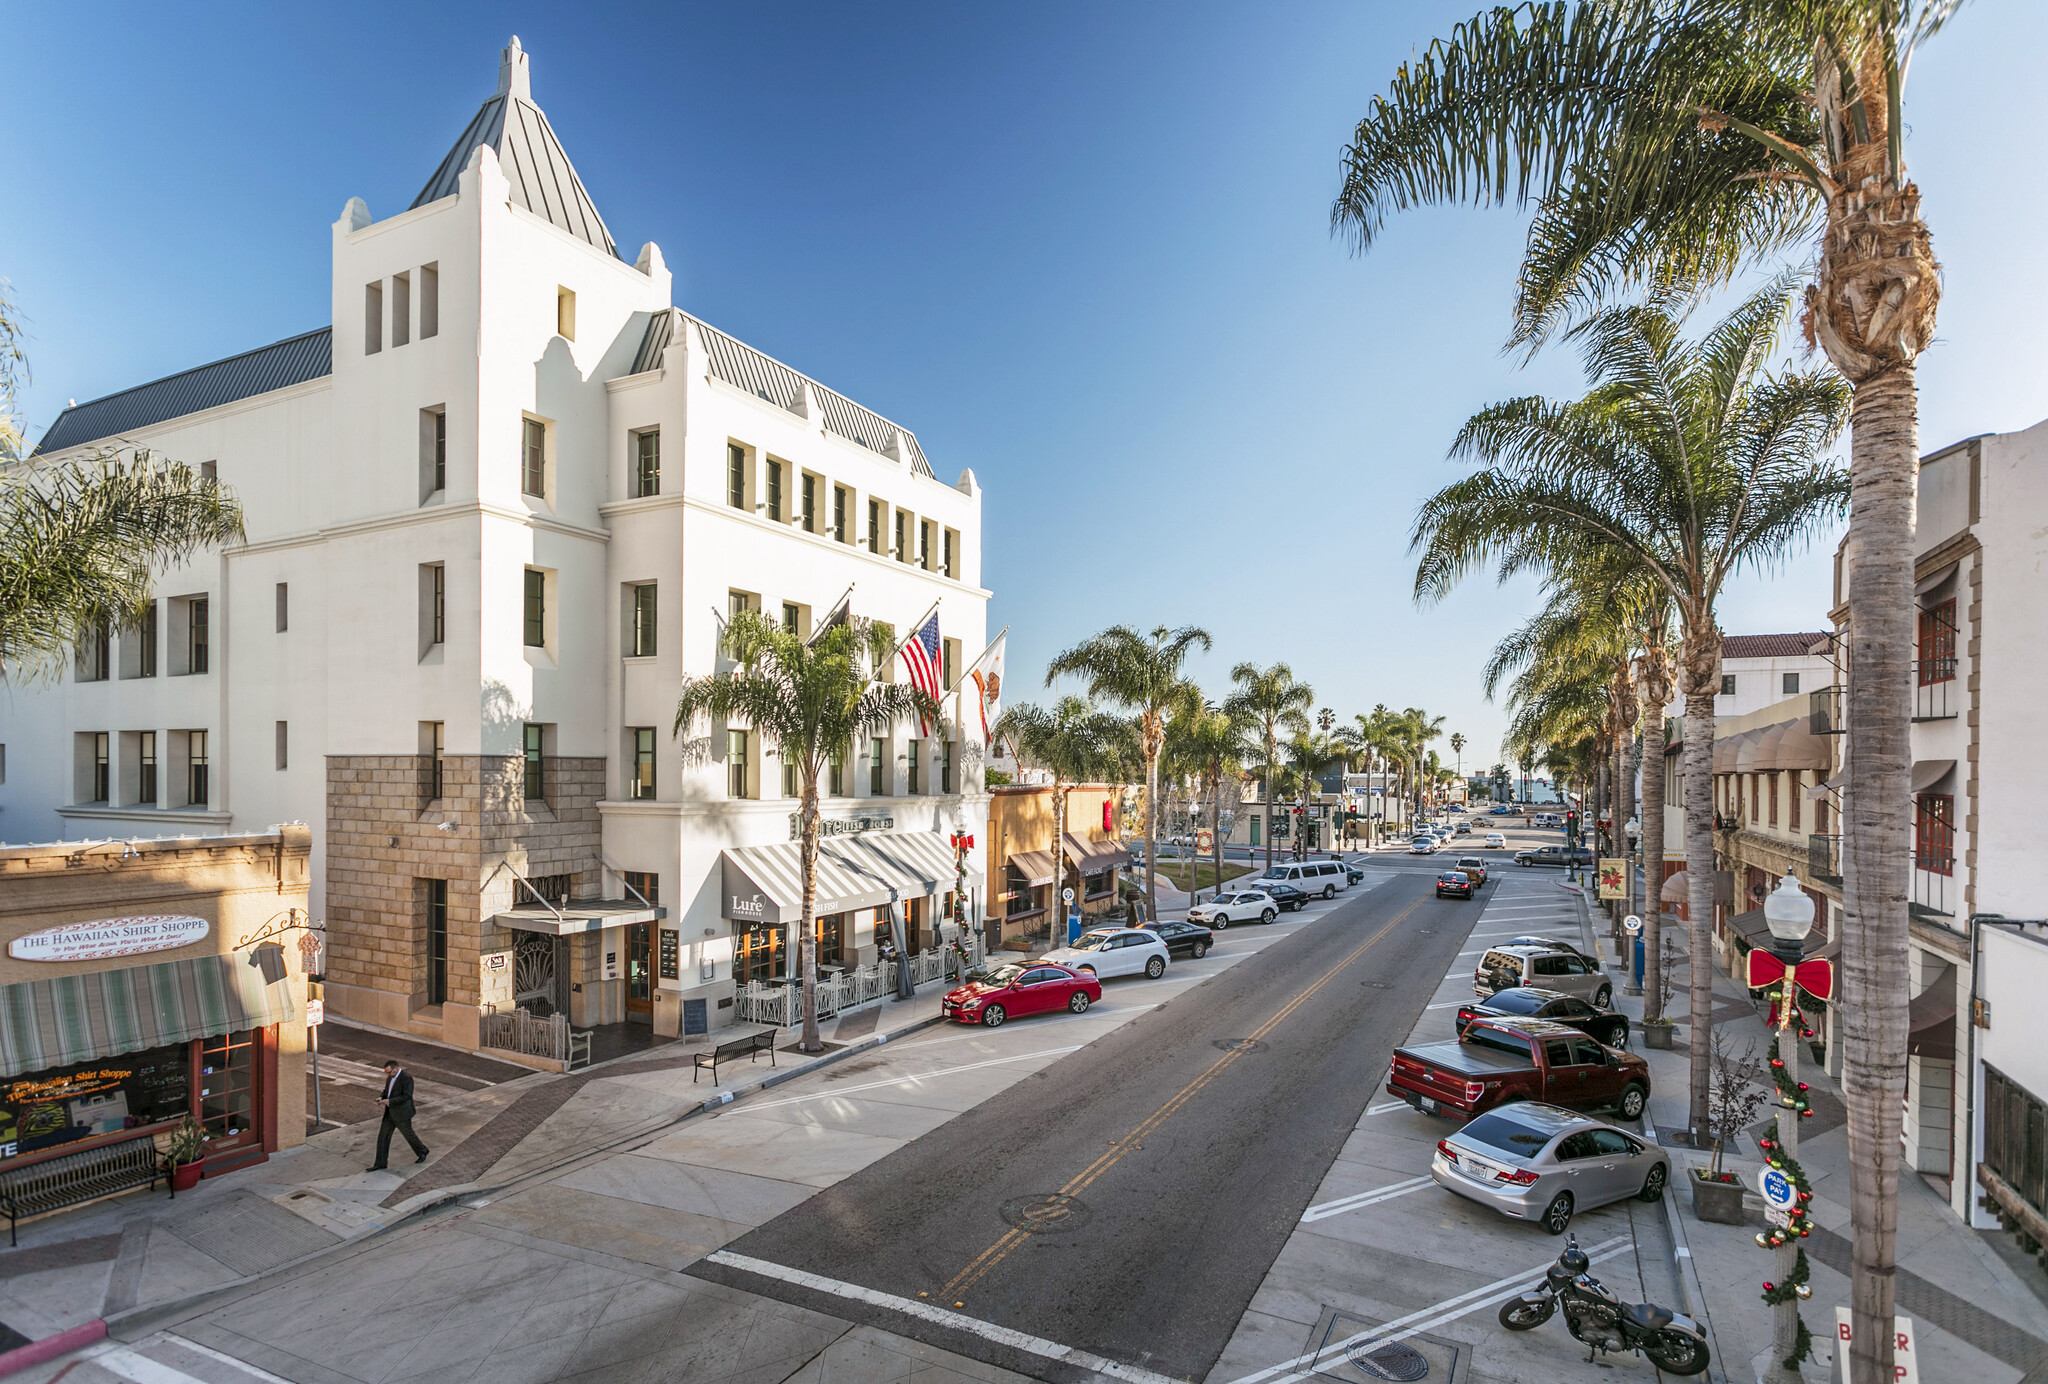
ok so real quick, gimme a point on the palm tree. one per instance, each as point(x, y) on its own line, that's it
point(1686, 461)
point(1144, 674)
point(1210, 747)
point(80, 539)
point(1458, 743)
point(1669, 143)
point(1270, 700)
point(812, 701)
point(1076, 744)
point(1308, 754)
point(1420, 727)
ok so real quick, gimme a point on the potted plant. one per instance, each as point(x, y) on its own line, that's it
point(1658, 1032)
point(184, 1154)
point(1734, 1096)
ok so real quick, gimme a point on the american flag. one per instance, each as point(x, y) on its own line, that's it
point(921, 655)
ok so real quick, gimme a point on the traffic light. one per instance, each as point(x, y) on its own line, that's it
point(1571, 825)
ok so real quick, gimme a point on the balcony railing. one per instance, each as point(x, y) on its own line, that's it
point(1824, 711)
point(1824, 859)
point(1933, 877)
point(1932, 681)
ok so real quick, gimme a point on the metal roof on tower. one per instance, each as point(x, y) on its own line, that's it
point(534, 162)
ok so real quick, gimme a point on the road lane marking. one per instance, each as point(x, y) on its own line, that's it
point(1290, 1371)
point(1001, 1249)
point(904, 1080)
point(940, 1316)
point(1360, 1200)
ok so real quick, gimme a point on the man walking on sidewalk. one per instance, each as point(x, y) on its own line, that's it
point(398, 1112)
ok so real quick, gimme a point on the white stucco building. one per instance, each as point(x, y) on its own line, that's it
point(495, 515)
point(1760, 669)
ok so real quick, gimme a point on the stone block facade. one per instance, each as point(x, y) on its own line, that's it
point(386, 842)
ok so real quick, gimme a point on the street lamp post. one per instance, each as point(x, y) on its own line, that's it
point(1788, 912)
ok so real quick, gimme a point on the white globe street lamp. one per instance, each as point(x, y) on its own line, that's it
point(1788, 912)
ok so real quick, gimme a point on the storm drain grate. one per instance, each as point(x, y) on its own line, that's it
point(1389, 1360)
point(251, 1234)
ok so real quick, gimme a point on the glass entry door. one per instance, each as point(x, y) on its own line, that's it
point(640, 973)
point(227, 1090)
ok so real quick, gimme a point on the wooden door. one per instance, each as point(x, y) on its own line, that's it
point(640, 973)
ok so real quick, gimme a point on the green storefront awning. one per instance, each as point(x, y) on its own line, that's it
point(68, 1019)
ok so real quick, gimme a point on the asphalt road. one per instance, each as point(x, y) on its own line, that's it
point(1128, 1200)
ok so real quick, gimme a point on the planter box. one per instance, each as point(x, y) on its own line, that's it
point(1719, 1202)
point(185, 1176)
point(1658, 1035)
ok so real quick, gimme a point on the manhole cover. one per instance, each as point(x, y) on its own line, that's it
point(1048, 1213)
point(1239, 1044)
point(1389, 1360)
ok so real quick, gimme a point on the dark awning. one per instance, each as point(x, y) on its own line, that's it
point(1931, 1020)
point(1034, 866)
point(1093, 857)
point(1929, 772)
point(77, 1018)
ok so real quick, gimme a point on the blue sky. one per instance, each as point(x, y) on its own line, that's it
point(1081, 249)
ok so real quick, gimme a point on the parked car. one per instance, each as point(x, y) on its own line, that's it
point(1555, 855)
point(1114, 951)
point(1455, 883)
point(1324, 877)
point(1495, 841)
point(1021, 988)
point(1552, 944)
point(1290, 899)
point(1529, 1002)
point(1353, 874)
point(1543, 1163)
point(1498, 1061)
point(1473, 866)
point(1544, 965)
point(1184, 939)
point(1238, 906)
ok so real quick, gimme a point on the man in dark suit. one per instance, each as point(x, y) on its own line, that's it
point(398, 1112)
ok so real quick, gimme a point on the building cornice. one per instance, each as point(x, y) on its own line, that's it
point(162, 817)
point(427, 514)
point(740, 516)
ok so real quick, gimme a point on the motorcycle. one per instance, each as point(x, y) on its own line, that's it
point(1603, 1322)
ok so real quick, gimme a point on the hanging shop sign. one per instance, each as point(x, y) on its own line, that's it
point(96, 941)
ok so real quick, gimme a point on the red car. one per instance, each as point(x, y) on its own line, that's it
point(1020, 988)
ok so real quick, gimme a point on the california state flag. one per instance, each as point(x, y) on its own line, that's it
point(985, 675)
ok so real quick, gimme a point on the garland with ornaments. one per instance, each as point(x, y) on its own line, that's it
point(1793, 1096)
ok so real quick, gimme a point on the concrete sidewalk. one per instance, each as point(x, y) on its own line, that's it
point(144, 1252)
point(1978, 1319)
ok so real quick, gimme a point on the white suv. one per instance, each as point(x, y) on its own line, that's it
point(1235, 906)
point(1323, 878)
point(1107, 952)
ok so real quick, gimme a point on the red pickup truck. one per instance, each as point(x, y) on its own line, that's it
point(1502, 1060)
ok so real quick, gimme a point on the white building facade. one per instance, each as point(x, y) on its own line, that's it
point(496, 515)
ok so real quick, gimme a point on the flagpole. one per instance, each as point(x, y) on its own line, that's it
point(985, 652)
point(832, 610)
point(915, 626)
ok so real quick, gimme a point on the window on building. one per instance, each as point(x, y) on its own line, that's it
point(645, 887)
point(145, 768)
point(832, 939)
point(282, 758)
point(197, 645)
point(877, 768)
point(835, 775)
point(643, 761)
point(875, 527)
point(758, 954)
point(536, 608)
point(565, 314)
point(198, 786)
point(925, 529)
point(735, 475)
point(533, 469)
point(808, 499)
point(430, 300)
point(792, 617)
point(433, 451)
point(434, 604)
point(1795, 796)
point(910, 768)
point(736, 764)
point(646, 463)
point(1934, 833)
point(902, 549)
point(373, 317)
point(790, 787)
point(102, 767)
point(949, 663)
point(434, 747)
point(839, 513)
point(952, 547)
point(284, 620)
point(145, 644)
point(1727, 684)
point(775, 490)
point(643, 619)
point(401, 309)
point(1791, 684)
point(945, 749)
point(437, 940)
point(533, 786)
point(1774, 798)
point(1937, 661)
point(95, 653)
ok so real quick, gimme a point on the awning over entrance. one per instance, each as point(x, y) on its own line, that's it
point(764, 884)
point(1931, 1019)
point(67, 1019)
point(1929, 772)
point(582, 915)
point(1035, 867)
point(1093, 857)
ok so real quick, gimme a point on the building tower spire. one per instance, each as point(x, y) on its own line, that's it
point(515, 78)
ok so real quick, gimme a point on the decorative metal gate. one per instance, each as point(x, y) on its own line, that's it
point(533, 972)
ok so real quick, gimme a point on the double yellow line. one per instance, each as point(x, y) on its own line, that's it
point(997, 1252)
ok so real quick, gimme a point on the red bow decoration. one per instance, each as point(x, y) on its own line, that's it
point(1815, 976)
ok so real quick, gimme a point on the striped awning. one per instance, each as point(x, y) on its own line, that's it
point(764, 884)
point(67, 1019)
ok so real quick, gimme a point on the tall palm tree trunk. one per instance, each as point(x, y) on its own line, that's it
point(808, 851)
point(1884, 462)
point(1702, 681)
point(1655, 767)
point(1266, 799)
point(1151, 824)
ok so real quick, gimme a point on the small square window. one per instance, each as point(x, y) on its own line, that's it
point(1727, 684)
point(1791, 683)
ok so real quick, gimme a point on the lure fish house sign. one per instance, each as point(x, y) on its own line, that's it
point(95, 941)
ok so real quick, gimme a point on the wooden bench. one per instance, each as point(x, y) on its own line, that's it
point(750, 1047)
point(58, 1180)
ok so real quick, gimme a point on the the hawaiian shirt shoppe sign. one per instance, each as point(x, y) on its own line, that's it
point(96, 941)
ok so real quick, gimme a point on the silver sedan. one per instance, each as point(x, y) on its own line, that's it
point(1543, 1163)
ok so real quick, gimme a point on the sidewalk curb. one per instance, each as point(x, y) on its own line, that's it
point(1689, 1277)
point(146, 1314)
point(50, 1347)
